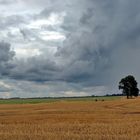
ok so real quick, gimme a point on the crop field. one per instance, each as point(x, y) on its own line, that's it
point(73, 119)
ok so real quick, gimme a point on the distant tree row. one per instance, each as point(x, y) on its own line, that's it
point(114, 94)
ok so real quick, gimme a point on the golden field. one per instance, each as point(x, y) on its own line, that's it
point(71, 120)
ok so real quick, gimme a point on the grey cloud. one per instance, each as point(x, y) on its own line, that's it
point(5, 53)
point(13, 21)
point(96, 30)
point(103, 28)
point(47, 89)
point(27, 34)
point(36, 69)
point(6, 56)
point(7, 2)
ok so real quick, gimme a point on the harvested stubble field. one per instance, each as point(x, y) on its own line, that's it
point(76, 120)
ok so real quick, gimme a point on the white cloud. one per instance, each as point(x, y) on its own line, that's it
point(26, 53)
point(6, 95)
point(17, 7)
point(29, 34)
point(53, 19)
point(4, 85)
point(74, 93)
point(52, 36)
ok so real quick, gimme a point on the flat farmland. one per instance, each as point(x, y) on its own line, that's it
point(71, 120)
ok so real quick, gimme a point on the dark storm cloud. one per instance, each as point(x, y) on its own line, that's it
point(36, 69)
point(104, 27)
point(95, 31)
point(6, 56)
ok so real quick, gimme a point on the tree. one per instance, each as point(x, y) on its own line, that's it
point(129, 86)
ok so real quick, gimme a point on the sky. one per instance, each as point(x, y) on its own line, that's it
point(67, 48)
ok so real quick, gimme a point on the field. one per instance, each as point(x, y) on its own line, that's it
point(47, 100)
point(70, 119)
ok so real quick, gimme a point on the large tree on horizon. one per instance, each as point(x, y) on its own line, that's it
point(129, 86)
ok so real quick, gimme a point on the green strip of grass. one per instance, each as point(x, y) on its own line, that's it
point(105, 98)
point(49, 100)
point(26, 101)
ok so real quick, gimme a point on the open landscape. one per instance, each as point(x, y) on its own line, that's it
point(69, 70)
point(68, 119)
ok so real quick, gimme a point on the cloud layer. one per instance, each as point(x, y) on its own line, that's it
point(85, 43)
point(6, 56)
